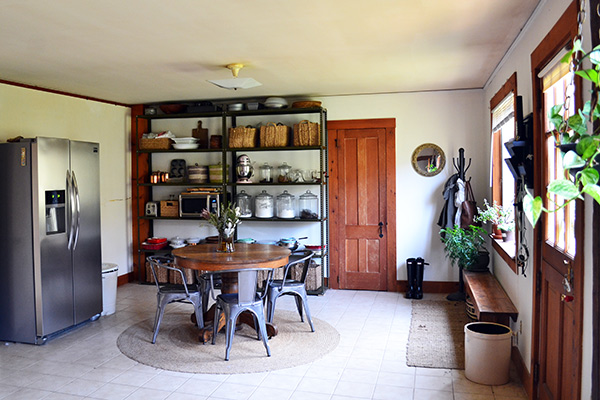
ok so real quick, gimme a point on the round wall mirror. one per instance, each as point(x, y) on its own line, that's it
point(428, 159)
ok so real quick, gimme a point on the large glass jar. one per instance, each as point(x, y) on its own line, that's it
point(284, 170)
point(265, 173)
point(263, 205)
point(244, 202)
point(285, 205)
point(308, 204)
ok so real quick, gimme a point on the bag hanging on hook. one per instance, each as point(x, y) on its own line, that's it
point(468, 207)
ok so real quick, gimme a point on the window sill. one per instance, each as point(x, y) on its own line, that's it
point(506, 250)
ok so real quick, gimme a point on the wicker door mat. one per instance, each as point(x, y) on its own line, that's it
point(436, 338)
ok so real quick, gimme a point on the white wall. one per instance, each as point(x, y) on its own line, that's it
point(449, 119)
point(31, 113)
point(518, 287)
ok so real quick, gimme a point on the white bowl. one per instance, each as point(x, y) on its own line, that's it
point(185, 146)
point(184, 140)
point(192, 240)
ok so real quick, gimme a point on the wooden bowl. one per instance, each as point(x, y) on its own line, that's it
point(173, 108)
point(306, 104)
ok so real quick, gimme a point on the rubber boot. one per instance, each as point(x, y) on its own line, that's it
point(419, 269)
point(410, 273)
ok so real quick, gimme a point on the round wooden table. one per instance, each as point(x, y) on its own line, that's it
point(204, 257)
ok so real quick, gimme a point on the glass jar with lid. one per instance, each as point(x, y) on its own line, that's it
point(308, 204)
point(285, 205)
point(284, 170)
point(263, 205)
point(244, 202)
point(265, 173)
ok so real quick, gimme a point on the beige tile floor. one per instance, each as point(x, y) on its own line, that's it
point(369, 362)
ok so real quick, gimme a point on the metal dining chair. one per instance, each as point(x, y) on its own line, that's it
point(168, 293)
point(248, 298)
point(289, 286)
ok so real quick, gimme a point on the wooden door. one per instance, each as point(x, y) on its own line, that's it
point(558, 249)
point(362, 197)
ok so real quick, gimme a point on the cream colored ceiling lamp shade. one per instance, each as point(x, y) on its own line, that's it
point(235, 83)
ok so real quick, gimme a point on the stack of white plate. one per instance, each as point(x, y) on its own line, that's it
point(185, 143)
point(276, 102)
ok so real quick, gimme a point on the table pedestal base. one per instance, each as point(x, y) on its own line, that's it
point(246, 318)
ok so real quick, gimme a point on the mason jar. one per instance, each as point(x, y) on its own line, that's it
point(244, 202)
point(285, 205)
point(308, 206)
point(265, 173)
point(263, 205)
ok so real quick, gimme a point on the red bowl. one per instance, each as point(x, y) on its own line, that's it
point(314, 247)
point(155, 240)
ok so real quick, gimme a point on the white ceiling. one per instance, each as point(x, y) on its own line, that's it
point(141, 51)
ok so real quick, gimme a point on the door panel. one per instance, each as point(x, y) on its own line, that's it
point(361, 207)
point(87, 258)
point(54, 283)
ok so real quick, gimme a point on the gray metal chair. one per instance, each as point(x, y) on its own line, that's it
point(248, 298)
point(289, 286)
point(168, 293)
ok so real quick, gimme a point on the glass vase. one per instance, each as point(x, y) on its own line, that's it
point(226, 244)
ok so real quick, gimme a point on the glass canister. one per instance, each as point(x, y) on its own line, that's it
point(284, 170)
point(285, 205)
point(265, 173)
point(263, 205)
point(308, 204)
point(244, 202)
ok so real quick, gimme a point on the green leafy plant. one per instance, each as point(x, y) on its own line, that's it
point(496, 214)
point(574, 129)
point(225, 221)
point(463, 246)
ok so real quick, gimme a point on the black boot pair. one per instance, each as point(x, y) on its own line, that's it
point(415, 268)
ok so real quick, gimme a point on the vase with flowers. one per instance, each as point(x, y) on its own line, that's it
point(225, 221)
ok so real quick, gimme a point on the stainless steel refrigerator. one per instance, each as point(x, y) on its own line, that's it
point(50, 250)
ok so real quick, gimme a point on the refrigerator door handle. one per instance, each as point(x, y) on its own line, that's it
point(77, 209)
point(70, 213)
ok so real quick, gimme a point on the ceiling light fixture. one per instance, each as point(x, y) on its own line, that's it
point(235, 83)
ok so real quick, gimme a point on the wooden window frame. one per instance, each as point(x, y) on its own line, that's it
point(510, 86)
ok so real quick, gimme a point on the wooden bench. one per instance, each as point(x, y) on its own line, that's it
point(491, 302)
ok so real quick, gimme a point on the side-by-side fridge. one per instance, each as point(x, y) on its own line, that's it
point(50, 250)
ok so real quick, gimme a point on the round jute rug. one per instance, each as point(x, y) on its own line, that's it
point(177, 347)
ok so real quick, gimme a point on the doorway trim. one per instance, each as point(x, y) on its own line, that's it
point(389, 124)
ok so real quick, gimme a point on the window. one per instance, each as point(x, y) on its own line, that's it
point(557, 89)
point(503, 123)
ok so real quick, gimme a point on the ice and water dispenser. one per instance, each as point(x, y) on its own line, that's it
point(55, 211)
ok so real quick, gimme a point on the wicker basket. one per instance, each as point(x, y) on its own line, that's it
point(162, 274)
point(175, 277)
point(242, 136)
point(274, 135)
point(306, 133)
point(169, 208)
point(155, 144)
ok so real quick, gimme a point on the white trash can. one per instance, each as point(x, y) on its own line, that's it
point(487, 353)
point(109, 288)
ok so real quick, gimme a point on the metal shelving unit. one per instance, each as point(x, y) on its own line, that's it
point(228, 186)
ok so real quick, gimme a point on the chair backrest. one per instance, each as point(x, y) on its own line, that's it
point(298, 258)
point(248, 291)
point(157, 262)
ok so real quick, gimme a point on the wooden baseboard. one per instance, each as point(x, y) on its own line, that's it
point(125, 278)
point(522, 371)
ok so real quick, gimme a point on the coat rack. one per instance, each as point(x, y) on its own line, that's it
point(459, 164)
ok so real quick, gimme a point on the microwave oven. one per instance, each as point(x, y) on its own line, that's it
point(192, 204)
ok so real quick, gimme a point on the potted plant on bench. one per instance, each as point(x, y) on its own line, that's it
point(465, 247)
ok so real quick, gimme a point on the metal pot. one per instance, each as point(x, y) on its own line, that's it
point(290, 243)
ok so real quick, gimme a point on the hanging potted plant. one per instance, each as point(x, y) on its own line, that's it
point(581, 159)
point(465, 247)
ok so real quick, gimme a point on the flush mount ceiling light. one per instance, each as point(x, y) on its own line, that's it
point(235, 83)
